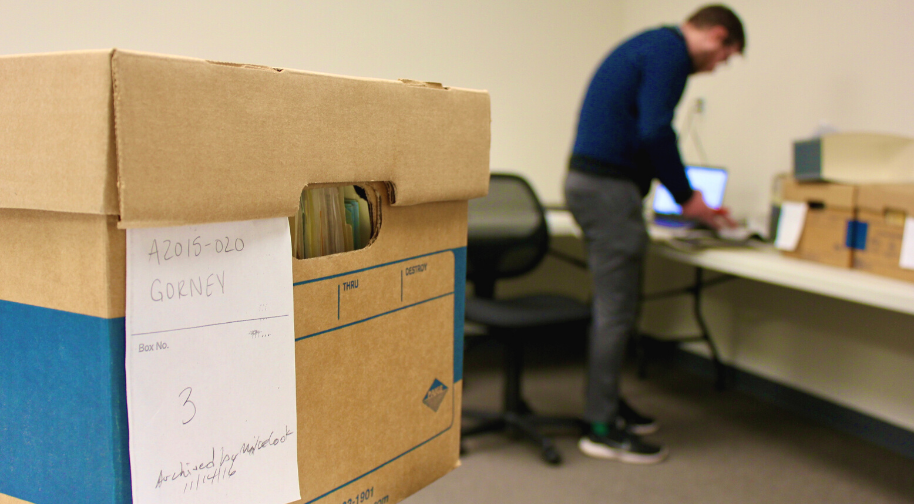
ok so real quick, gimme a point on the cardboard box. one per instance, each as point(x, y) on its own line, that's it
point(831, 208)
point(881, 214)
point(96, 142)
point(854, 158)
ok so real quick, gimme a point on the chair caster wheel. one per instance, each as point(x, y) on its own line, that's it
point(552, 456)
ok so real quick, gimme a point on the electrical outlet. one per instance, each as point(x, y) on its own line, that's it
point(700, 105)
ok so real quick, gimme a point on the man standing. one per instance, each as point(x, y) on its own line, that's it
point(625, 139)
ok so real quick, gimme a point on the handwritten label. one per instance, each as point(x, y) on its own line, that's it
point(210, 364)
point(191, 476)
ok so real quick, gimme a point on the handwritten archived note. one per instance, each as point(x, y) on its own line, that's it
point(210, 364)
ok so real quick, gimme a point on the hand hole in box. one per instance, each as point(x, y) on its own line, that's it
point(333, 220)
point(816, 205)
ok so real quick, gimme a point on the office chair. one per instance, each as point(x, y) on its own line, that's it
point(508, 237)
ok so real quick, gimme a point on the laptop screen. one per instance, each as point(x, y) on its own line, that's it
point(710, 181)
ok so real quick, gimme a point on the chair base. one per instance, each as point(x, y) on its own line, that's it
point(523, 424)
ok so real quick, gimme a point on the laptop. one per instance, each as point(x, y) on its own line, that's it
point(710, 180)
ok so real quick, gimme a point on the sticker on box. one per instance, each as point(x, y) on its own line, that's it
point(210, 364)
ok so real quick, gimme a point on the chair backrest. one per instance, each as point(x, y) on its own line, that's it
point(508, 235)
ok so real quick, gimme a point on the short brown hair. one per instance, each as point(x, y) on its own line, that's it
point(718, 15)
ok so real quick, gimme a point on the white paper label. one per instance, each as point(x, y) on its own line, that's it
point(907, 245)
point(790, 225)
point(211, 364)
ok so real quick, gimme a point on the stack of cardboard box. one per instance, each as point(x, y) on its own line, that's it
point(859, 190)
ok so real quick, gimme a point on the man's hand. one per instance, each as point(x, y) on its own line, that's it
point(696, 208)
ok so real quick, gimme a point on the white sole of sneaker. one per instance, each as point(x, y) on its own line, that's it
point(602, 451)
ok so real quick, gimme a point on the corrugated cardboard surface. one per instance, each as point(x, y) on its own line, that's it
point(882, 250)
point(394, 336)
point(882, 211)
point(63, 261)
point(199, 141)
point(882, 197)
point(831, 195)
point(379, 363)
point(56, 140)
point(824, 237)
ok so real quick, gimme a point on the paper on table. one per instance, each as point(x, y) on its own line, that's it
point(210, 364)
point(790, 225)
point(907, 245)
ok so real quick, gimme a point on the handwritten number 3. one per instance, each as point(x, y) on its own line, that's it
point(188, 402)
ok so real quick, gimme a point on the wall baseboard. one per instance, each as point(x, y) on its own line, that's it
point(855, 423)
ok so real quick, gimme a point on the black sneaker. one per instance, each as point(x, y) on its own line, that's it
point(623, 446)
point(635, 422)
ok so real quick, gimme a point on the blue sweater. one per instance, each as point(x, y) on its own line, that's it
point(625, 128)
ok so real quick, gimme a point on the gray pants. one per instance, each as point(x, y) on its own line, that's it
point(609, 212)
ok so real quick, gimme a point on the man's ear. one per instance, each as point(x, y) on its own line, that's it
point(718, 33)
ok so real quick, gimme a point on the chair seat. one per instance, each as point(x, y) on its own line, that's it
point(526, 311)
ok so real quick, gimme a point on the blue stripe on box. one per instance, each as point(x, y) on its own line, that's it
point(856, 235)
point(460, 288)
point(63, 407)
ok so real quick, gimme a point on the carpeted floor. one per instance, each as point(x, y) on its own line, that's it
point(725, 447)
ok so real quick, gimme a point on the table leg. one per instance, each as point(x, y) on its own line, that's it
point(719, 369)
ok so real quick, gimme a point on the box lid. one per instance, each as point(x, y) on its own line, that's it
point(162, 140)
point(883, 197)
point(56, 142)
point(829, 194)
